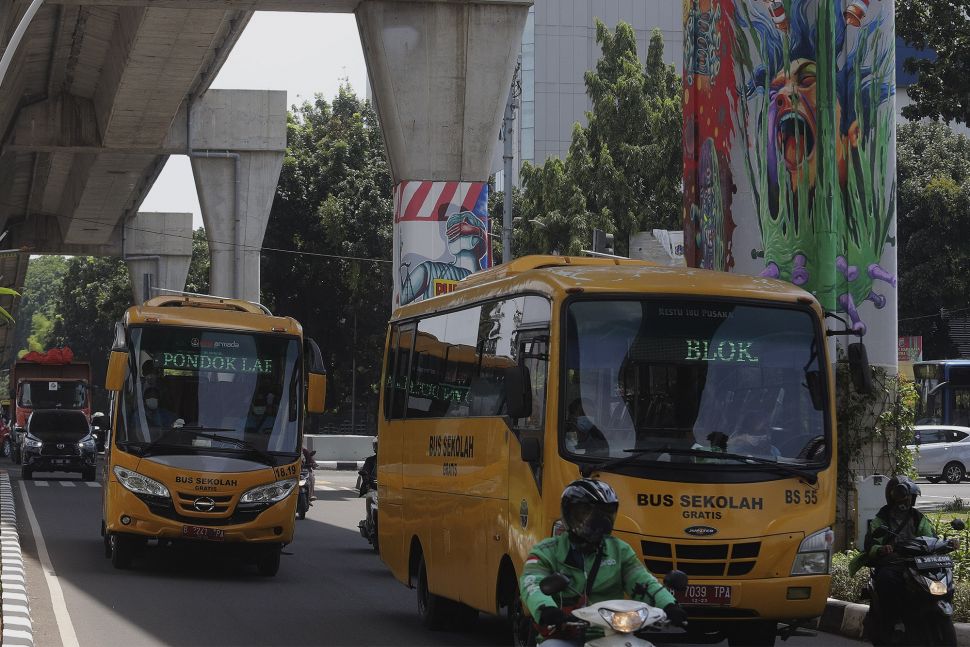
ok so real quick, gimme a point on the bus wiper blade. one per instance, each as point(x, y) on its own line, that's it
point(809, 477)
point(201, 432)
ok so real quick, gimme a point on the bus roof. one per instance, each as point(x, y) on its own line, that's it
point(557, 276)
point(210, 312)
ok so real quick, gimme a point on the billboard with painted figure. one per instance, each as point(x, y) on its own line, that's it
point(440, 237)
point(789, 150)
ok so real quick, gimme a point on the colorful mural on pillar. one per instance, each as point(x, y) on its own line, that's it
point(440, 237)
point(789, 150)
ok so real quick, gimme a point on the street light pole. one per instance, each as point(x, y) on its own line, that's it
point(353, 380)
point(508, 136)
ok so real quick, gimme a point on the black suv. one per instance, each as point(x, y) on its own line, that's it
point(58, 440)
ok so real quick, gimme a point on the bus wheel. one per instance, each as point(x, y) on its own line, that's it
point(431, 608)
point(122, 551)
point(954, 473)
point(758, 633)
point(523, 634)
point(268, 559)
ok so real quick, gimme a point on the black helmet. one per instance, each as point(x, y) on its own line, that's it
point(588, 511)
point(900, 489)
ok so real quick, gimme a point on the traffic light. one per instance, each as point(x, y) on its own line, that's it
point(602, 242)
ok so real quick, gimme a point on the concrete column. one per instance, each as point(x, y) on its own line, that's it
point(236, 236)
point(440, 73)
point(236, 140)
point(158, 245)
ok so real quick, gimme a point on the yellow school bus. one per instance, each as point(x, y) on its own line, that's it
point(209, 397)
point(705, 399)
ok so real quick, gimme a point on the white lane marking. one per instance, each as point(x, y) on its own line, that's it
point(61, 614)
point(67, 483)
point(92, 484)
point(41, 483)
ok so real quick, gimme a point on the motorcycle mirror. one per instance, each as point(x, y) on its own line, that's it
point(676, 581)
point(958, 524)
point(553, 584)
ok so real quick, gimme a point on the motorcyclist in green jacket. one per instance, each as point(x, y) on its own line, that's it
point(588, 511)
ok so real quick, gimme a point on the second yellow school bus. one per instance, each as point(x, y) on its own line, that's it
point(209, 397)
point(705, 399)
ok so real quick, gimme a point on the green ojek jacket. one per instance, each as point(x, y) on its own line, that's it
point(620, 571)
point(868, 555)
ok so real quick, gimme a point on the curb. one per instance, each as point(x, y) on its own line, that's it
point(340, 465)
point(846, 619)
point(17, 627)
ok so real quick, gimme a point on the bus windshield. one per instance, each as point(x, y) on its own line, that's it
point(206, 390)
point(681, 381)
point(52, 394)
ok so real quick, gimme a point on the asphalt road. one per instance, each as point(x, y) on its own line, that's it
point(934, 495)
point(331, 588)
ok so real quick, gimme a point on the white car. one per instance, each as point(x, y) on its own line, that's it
point(944, 452)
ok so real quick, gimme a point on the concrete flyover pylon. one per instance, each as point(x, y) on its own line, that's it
point(441, 73)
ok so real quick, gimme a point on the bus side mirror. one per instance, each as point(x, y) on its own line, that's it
point(531, 450)
point(316, 398)
point(518, 392)
point(859, 368)
point(117, 370)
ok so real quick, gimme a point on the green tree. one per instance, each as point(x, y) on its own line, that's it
point(197, 280)
point(333, 205)
point(93, 295)
point(943, 28)
point(623, 170)
point(933, 171)
point(41, 293)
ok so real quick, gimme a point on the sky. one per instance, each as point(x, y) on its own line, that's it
point(302, 53)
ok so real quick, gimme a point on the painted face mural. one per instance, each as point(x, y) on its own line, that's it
point(440, 237)
point(790, 141)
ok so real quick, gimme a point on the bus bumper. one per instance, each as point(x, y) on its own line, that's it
point(127, 513)
point(782, 599)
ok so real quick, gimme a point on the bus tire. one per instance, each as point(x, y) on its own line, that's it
point(954, 472)
point(432, 608)
point(122, 551)
point(753, 633)
point(268, 560)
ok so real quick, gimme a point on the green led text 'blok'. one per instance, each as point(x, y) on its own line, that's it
point(725, 351)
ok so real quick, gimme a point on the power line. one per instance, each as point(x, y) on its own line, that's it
point(938, 314)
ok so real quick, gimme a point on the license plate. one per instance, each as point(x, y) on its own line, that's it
point(705, 594)
point(202, 532)
point(60, 461)
point(933, 561)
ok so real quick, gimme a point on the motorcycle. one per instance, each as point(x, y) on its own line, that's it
point(307, 482)
point(622, 621)
point(927, 572)
point(368, 525)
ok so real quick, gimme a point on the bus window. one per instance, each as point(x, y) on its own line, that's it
point(399, 356)
point(960, 406)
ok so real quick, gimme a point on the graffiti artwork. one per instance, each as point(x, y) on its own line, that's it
point(440, 237)
point(789, 149)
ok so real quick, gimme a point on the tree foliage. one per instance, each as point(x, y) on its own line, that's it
point(943, 29)
point(623, 170)
point(39, 303)
point(197, 280)
point(933, 171)
point(334, 200)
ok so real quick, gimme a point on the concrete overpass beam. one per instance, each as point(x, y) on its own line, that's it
point(158, 245)
point(441, 74)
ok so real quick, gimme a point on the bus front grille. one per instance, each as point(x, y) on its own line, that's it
point(701, 559)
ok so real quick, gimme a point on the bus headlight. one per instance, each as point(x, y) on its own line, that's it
point(140, 484)
point(269, 493)
point(814, 554)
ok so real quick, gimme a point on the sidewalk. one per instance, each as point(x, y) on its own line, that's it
point(340, 465)
point(845, 619)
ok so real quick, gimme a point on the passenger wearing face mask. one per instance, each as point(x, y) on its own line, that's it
point(156, 415)
point(903, 521)
point(260, 418)
point(582, 433)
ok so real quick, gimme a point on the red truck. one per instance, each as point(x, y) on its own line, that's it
point(51, 380)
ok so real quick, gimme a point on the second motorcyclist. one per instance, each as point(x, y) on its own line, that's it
point(902, 521)
point(600, 567)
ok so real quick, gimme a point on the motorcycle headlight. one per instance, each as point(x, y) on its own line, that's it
point(936, 587)
point(625, 622)
point(269, 493)
point(32, 443)
point(87, 443)
point(814, 554)
point(140, 484)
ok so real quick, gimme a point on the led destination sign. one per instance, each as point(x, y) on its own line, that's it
point(214, 361)
point(723, 351)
